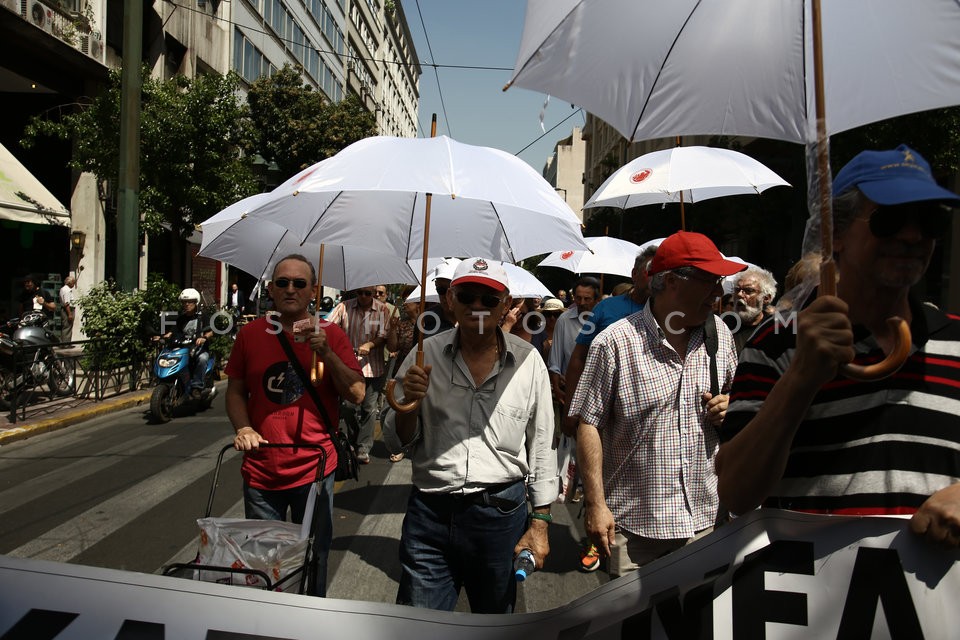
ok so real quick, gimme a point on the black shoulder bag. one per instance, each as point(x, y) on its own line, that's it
point(347, 466)
point(712, 342)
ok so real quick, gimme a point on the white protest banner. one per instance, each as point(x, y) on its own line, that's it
point(770, 574)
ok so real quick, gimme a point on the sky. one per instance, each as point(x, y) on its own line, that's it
point(470, 104)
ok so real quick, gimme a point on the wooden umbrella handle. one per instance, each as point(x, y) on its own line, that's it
point(889, 365)
point(901, 347)
point(396, 406)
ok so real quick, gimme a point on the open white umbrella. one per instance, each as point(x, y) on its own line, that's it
point(795, 70)
point(257, 246)
point(523, 284)
point(373, 193)
point(606, 255)
point(683, 174)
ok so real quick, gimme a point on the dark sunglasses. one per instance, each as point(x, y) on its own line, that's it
point(931, 219)
point(486, 299)
point(283, 283)
point(364, 293)
point(442, 290)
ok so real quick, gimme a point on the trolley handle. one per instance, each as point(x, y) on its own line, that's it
point(264, 445)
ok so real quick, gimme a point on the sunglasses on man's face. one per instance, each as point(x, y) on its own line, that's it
point(888, 221)
point(442, 291)
point(486, 299)
point(283, 283)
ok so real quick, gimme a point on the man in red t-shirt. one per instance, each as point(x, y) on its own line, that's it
point(267, 402)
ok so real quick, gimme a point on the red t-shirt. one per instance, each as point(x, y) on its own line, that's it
point(280, 407)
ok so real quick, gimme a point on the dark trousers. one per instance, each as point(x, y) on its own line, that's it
point(453, 542)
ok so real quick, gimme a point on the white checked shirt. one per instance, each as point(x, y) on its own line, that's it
point(658, 447)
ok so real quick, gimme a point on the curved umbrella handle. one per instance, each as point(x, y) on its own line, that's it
point(889, 365)
point(396, 406)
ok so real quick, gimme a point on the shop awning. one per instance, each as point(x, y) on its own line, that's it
point(23, 198)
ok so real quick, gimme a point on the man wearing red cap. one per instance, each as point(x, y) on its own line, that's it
point(480, 445)
point(799, 435)
point(648, 420)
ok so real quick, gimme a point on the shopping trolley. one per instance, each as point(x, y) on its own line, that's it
point(263, 554)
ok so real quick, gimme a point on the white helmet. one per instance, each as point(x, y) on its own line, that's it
point(189, 294)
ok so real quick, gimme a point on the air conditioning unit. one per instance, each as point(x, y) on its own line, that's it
point(12, 5)
point(92, 45)
point(39, 14)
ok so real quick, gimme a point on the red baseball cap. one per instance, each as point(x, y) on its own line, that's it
point(689, 249)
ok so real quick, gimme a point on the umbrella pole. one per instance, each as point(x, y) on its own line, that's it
point(391, 400)
point(828, 268)
point(316, 371)
point(683, 215)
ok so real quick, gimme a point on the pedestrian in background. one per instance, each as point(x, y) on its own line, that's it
point(67, 308)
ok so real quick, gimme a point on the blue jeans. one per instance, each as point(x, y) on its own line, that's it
point(199, 369)
point(262, 504)
point(450, 542)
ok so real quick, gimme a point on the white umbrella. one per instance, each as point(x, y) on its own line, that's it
point(373, 193)
point(796, 70)
point(523, 284)
point(683, 174)
point(256, 246)
point(655, 69)
point(606, 255)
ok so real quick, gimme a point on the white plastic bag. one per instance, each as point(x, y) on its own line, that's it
point(273, 547)
point(567, 467)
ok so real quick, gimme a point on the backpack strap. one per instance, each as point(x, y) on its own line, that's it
point(712, 343)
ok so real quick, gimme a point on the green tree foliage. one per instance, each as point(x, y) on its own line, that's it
point(121, 322)
point(295, 126)
point(191, 137)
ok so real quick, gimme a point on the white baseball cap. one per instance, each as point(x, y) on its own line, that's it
point(489, 273)
point(446, 268)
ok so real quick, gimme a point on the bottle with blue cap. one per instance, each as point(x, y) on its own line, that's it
point(524, 565)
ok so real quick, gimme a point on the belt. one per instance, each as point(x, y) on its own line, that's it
point(483, 497)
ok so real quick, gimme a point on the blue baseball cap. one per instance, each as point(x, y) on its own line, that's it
point(891, 177)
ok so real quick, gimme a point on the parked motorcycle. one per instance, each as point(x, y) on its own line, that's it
point(173, 369)
point(28, 361)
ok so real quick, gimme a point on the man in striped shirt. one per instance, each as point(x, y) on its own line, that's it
point(366, 322)
point(648, 420)
point(798, 435)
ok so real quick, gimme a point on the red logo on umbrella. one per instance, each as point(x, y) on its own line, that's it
point(566, 255)
point(640, 176)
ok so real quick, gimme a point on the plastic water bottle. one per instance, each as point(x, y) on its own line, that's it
point(524, 565)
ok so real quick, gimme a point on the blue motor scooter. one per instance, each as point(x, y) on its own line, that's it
point(173, 370)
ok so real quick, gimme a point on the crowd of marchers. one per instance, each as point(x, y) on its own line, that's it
point(668, 408)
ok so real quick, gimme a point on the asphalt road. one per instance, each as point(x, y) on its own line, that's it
point(121, 492)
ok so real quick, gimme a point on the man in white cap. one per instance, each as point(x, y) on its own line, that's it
point(480, 444)
point(799, 435)
point(650, 407)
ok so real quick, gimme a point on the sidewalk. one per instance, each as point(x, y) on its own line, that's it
point(66, 412)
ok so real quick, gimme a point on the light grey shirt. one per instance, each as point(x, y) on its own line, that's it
point(565, 334)
point(469, 437)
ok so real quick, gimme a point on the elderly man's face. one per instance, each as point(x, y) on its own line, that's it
point(897, 259)
point(748, 299)
point(585, 298)
point(477, 308)
point(291, 288)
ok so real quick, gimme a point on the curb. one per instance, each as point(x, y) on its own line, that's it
point(131, 399)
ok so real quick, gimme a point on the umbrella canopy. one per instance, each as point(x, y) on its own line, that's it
point(485, 202)
point(606, 255)
point(656, 69)
point(691, 173)
point(523, 284)
point(256, 247)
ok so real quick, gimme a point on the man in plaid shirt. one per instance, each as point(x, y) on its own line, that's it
point(647, 436)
